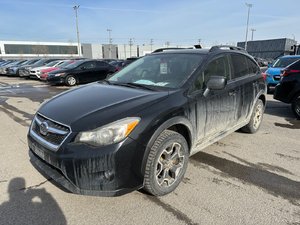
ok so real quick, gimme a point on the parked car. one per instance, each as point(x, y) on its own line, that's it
point(14, 69)
point(119, 64)
point(273, 72)
point(44, 72)
point(129, 60)
point(37, 71)
point(138, 128)
point(4, 69)
point(25, 71)
point(81, 71)
point(288, 90)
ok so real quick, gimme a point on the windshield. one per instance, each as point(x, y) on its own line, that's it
point(284, 62)
point(74, 65)
point(64, 64)
point(163, 70)
point(50, 64)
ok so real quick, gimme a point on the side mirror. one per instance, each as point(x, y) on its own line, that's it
point(215, 83)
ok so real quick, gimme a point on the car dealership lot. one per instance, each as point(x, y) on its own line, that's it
point(242, 179)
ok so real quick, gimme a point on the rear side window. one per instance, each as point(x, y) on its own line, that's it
point(295, 66)
point(89, 65)
point(217, 67)
point(102, 64)
point(252, 67)
point(240, 66)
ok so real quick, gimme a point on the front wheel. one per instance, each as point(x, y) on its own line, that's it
point(256, 118)
point(166, 163)
point(296, 106)
point(70, 80)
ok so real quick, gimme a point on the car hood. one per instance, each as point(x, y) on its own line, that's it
point(274, 71)
point(40, 68)
point(97, 104)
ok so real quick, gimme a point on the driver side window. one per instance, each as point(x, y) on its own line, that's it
point(89, 65)
point(217, 67)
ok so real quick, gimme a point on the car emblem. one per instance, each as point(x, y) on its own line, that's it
point(44, 128)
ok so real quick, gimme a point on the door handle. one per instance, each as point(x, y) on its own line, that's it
point(232, 93)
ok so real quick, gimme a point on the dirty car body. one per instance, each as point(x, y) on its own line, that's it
point(161, 91)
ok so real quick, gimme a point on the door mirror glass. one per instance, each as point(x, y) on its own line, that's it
point(216, 83)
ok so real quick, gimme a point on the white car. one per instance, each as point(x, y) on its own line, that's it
point(36, 72)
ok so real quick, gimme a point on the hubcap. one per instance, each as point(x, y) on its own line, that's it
point(71, 81)
point(258, 116)
point(169, 165)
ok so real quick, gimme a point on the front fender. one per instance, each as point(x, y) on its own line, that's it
point(178, 120)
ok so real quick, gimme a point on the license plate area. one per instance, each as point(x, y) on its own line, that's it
point(38, 151)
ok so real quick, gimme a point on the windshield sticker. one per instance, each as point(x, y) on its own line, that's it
point(163, 68)
point(147, 82)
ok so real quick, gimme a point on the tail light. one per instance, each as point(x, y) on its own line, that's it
point(264, 75)
point(289, 72)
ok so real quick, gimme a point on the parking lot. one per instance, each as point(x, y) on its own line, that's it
point(242, 179)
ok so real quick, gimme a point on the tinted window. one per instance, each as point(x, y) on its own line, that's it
point(295, 66)
point(102, 64)
point(217, 67)
point(252, 67)
point(89, 65)
point(284, 62)
point(240, 66)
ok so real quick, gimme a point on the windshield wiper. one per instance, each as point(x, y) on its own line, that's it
point(135, 85)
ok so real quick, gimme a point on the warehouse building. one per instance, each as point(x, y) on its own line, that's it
point(270, 49)
point(29, 49)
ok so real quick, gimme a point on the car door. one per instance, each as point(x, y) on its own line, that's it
point(102, 69)
point(85, 72)
point(245, 75)
point(215, 112)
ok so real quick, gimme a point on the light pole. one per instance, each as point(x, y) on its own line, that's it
point(249, 7)
point(151, 44)
point(109, 41)
point(76, 7)
point(130, 45)
point(252, 31)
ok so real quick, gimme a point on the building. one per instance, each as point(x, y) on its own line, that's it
point(269, 49)
point(29, 49)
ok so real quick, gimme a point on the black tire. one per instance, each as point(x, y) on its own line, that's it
point(159, 159)
point(296, 106)
point(70, 80)
point(256, 118)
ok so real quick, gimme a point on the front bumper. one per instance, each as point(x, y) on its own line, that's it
point(82, 169)
point(56, 80)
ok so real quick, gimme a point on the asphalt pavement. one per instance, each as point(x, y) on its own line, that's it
point(242, 179)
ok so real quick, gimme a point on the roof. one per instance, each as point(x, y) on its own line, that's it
point(290, 56)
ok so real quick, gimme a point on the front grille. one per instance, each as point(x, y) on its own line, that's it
point(32, 71)
point(55, 133)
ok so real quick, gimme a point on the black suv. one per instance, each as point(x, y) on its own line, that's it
point(288, 90)
point(81, 71)
point(139, 127)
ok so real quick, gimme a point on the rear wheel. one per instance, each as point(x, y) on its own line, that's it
point(70, 80)
point(256, 118)
point(166, 163)
point(296, 106)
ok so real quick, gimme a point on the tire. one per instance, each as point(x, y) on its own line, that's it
point(256, 118)
point(166, 163)
point(70, 80)
point(296, 106)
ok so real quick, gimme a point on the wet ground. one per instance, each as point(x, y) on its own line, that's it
point(242, 179)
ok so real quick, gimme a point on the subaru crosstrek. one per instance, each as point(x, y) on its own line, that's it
point(138, 128)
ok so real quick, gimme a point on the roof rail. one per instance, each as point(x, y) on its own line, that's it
point(230, 47)
point(166, 49)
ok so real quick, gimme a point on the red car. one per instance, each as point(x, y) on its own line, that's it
point(44, 72)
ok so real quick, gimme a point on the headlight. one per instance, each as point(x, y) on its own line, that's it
point(109, 134)
point(59, 74)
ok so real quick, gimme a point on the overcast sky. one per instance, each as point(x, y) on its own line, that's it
point(179, 22)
